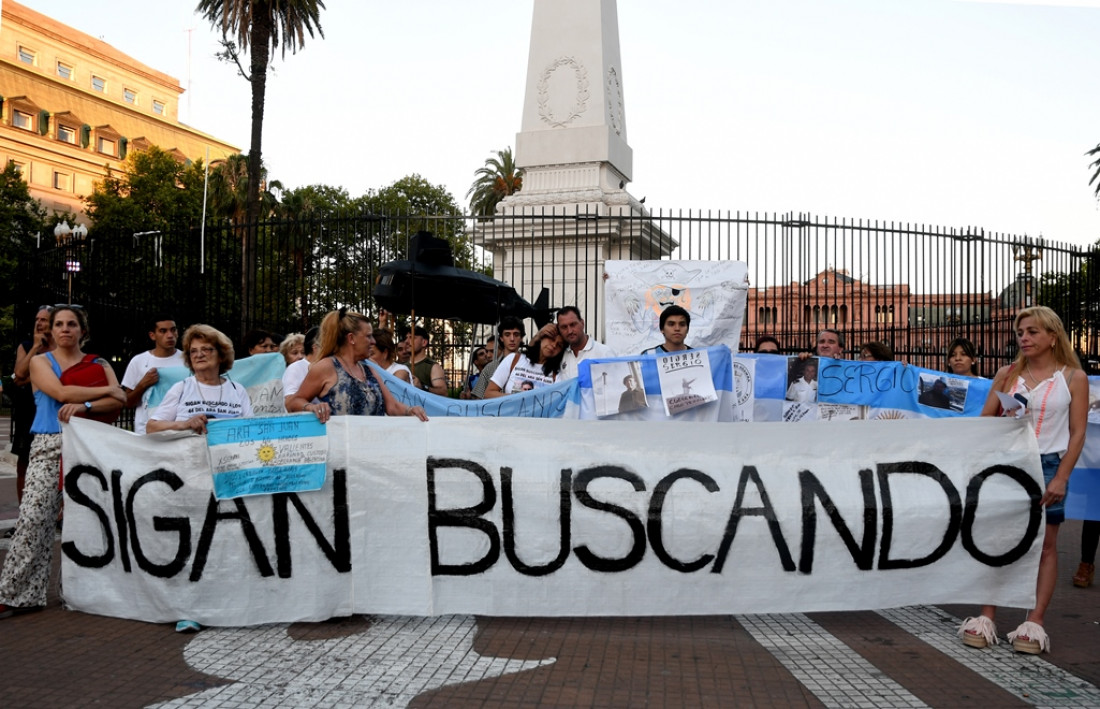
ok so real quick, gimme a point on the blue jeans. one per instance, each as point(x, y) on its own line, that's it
point(1056, 512)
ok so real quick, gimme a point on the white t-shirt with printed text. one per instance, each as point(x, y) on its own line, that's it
point(510, 380)
point(137, 368)
point(188, 398)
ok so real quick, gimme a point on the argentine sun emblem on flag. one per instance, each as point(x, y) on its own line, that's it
point(259, 456)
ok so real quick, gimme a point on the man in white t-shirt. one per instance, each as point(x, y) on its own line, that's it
point(578, 345)
point(141, 373)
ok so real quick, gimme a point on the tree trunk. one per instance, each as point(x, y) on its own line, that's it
point(260, 53)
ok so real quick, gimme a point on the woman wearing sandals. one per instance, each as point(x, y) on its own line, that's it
point(27, 567)
point(1048, 374)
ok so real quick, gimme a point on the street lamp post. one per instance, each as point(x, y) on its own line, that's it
point(1027, 254)
point(65, 236)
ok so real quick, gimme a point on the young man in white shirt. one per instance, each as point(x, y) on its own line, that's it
point(578, 345)
point(141, 373)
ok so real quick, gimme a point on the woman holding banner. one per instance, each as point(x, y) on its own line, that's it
point(538, 363)
point(26, 571)
point(207, 393)
point(1048, 376)
point(339, 379)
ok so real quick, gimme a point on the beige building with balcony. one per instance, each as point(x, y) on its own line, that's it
point(72, 107)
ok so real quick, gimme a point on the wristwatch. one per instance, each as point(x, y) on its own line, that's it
point(87, 407)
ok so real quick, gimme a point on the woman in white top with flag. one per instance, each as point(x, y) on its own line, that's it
point(1048, 375)
point(536, 365)
point(207, 394)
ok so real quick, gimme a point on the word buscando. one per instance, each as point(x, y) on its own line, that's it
point(871, 551)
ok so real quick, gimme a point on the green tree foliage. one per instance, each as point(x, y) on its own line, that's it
point(22, 218)
point(313, 201)
point(493, 182)
point(143, 241)
point(335, 243)
point(426, 207)
point(304, 218)
point(413, 204)
point(153, 192)
point(227, 193)
point(227, 201)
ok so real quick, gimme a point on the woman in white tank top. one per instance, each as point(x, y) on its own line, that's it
point(1048, 375)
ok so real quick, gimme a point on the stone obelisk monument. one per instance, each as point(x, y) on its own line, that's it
point(574, 211)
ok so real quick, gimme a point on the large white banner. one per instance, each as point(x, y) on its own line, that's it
point(636, 292)
point(554, 517)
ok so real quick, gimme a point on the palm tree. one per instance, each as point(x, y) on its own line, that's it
point(229, 190)
point(498, 179)
point(261, 27)
point(1095, 152)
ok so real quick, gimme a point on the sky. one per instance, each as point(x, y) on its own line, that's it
point(942, 113)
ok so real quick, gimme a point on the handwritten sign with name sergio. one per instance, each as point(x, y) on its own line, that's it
point(267, 455)
point(685, 380)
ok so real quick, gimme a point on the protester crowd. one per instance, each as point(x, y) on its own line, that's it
point(327, 375)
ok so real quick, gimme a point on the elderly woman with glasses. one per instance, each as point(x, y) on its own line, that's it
point(208, 393)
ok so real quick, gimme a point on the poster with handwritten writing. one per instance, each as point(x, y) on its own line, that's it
point(636, 293)
point(685, 380)
point(259, 456)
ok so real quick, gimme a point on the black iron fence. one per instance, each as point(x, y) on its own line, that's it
point(914, 287)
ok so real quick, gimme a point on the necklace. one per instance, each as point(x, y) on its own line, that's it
point(355, 371)
point(1035, 380)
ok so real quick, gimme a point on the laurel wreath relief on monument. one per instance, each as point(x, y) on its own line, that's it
point(580, 103)
point(614, 101)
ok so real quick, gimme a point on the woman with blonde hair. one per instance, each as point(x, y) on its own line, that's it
point(1048, 375)
point(339, 379)
point(293, 348)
